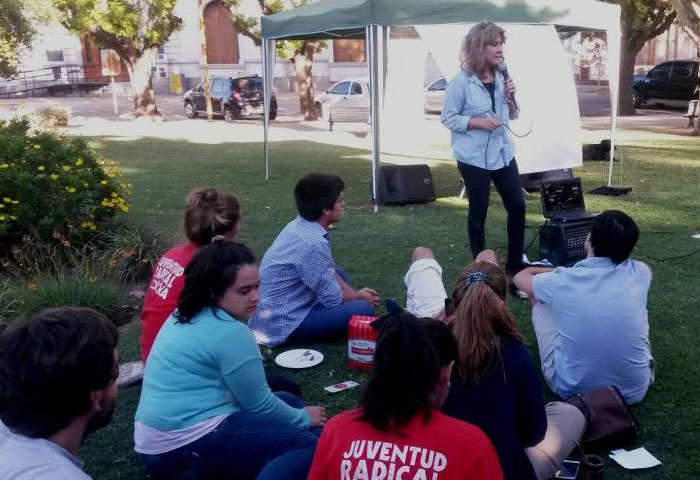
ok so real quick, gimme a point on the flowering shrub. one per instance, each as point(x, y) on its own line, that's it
point(55, 186)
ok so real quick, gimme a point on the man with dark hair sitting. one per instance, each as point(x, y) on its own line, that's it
point(591, 319)
point(58, 372)
point(304, 297)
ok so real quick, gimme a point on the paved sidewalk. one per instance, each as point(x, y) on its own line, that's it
point(94, 116)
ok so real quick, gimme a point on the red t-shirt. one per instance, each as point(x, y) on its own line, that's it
point(443, 449)
point(164, 289)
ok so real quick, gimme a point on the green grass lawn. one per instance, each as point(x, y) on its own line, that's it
point(375, 249)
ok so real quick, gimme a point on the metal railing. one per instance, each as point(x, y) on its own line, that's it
point(52, 79)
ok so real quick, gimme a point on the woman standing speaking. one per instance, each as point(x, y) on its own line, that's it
point(478, 104)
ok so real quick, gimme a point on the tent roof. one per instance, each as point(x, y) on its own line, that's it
point(348, 18)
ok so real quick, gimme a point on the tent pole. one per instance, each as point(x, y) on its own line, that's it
point(372, 35)
point(268, 68)
point(614, 47)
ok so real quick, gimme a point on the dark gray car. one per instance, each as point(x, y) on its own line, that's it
point(231, 98)
point(675, 80)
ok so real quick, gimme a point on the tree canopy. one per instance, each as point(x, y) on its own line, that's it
point(299, 52)
point(16, 32)
point(641, 20)
point(688, 13)
point(135, 29)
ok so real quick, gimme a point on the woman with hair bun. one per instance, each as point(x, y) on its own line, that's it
point(208, 213)
point(206, 411)
point(495, 385)
point(398, 430)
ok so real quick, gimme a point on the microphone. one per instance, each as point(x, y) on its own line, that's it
point(503, 68)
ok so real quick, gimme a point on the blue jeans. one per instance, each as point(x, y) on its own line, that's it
point(477, 182)
point(244, 446)
point(326, 323)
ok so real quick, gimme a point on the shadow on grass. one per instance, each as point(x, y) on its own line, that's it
point(375, 249)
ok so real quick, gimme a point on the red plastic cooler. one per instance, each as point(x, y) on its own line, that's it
point(362, 340)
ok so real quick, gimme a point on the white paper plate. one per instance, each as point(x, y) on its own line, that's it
point(299, 358)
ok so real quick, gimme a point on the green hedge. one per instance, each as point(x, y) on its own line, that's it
point(52, 186)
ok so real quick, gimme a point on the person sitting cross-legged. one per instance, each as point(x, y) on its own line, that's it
point(591, 319)
point(206, 411)
point(304, 296)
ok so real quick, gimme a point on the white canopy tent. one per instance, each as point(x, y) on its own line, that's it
point(371, 19)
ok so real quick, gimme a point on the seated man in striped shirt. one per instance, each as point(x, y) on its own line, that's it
point(304, 297)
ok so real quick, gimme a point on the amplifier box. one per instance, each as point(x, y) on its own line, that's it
point(562, 243)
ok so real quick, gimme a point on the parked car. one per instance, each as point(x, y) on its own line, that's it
point(355, 93)
point(231, 97)
point(674, 80)
point(347, 93)
point(434, 94)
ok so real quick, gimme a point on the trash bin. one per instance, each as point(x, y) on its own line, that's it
point(176, 81)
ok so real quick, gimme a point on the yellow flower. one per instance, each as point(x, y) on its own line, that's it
point(7, 199)
point(41, 168)
point(15, 202)
point(66, 168)
point(2, 205)
point(79, 162)
point(13, 217)
point(70, 189)
point(2, 218)
point(38, 147)
point(53, 176)
point(103, 182)
point(4, 165)
point(88, 226)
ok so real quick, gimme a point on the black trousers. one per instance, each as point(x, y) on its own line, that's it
point(477, 182)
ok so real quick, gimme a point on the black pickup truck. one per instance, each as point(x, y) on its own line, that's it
point(674, 80)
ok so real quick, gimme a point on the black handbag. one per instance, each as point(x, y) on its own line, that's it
point(610, 422)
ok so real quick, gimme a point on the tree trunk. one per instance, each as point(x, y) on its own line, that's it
point(303, 61)
point(625, 90)
point(139, 68)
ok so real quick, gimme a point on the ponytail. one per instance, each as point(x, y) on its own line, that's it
point(480, 318)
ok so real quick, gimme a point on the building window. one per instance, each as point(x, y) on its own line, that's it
point(161, 56)
point(54, 55)
point(349, 51)
point(159, 72)
point(222, 40)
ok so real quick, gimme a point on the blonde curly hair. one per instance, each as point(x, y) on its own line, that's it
point(471, 55)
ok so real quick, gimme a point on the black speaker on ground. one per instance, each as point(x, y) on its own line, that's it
point(563, 243)
point(404, 184)
point(531, 181)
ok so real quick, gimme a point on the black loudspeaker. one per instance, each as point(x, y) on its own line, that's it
point(531, 181)
point(562, 243)
point(404, 184)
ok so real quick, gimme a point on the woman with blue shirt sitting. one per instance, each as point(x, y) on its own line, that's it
point(494, 383)
point(477, 106)
point(206, 410)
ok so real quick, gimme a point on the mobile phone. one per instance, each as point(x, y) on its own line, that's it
point(568, 470)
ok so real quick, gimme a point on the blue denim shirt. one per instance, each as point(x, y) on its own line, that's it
point(466, 97)
point(296, 274)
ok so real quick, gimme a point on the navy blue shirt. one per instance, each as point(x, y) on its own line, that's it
point(506, 403)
